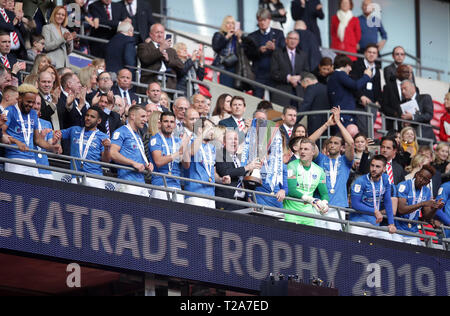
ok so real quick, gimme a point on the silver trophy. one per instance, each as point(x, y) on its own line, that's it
point(257, 150)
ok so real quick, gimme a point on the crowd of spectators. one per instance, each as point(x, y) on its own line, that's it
point(95, 113)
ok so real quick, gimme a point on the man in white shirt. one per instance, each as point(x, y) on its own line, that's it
point(179, 108)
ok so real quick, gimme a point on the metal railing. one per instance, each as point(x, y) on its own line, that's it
point(417, 126)
point(259, 209)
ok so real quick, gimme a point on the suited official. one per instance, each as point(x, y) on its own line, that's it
point(289, 118)
point(259, 48)
point(236, 121)
point(141, 15)
point(425, 113)
point(308, 11)
point(371, 91)
point(50, 111)
point(123, 87)
point(390, 71)
point(157, 55)
point(308, 44)
point(7, 59)
point(287, 67)
point(110, 14)
point(228, 164)
point(315, 99)
point(7, 24)
point(121, 49)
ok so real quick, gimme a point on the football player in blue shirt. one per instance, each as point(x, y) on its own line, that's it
point(167, 151)
point(127, 149)
point(22, 128)
point(415, 197)
point(89, 143)
point(369, 194)
point(444, 214)
point(337, 167)
point(199, 163)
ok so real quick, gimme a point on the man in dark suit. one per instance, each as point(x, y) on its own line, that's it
point(13, 25)
point(73, 99)
point(371, 92)
point(389, 148)
point(315, 99)
point(308, 11)
point(399, 55)
point(287, 67)
point(121, 49)
point(289, 119)
point(425, 112)
point(157, 55)
point(236, 121)
point(259, 48)
point(228, 166)
point(50, 109)
point(141, 15)
point(110, 14)
point(123, 87)
point(392, 96)
point(308, 44)
point(7, 59)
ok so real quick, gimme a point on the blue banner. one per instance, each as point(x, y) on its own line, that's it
point(124, 231)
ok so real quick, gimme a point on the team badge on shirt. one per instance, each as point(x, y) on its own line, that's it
point(401, 188)
point(357, 188)
point(116, 135)
point(153, 142)
point(440, 191)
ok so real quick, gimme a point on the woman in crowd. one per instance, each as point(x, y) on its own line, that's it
point(193, 69)
point(444, 125)
point(417, 163)
point(299, 130)
point(222, 109)
point(225, 45)
point(345, 29)
point(99, 64)
point(88, 78)
point(409, 140)
point(58, 39)
point(164, 101)
point(41, 61)
point(441, 159)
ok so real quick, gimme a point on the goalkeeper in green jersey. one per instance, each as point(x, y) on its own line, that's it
point(304, 177)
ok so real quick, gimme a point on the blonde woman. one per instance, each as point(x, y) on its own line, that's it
point(41, 61)
point(417, 163)
point(408, 139)
point(88, 78)
point(441, 158)
point(193, 68)
point(225, 45)
point(58, 39)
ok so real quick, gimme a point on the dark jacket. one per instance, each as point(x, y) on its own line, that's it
point(341, 88)
point(315, 99)
point(142, 19)
point(309, 15)
point(120, 52)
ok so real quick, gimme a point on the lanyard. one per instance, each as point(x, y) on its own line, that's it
point(412, 215)
point(139, 144)
point(376, 204)
point(83, 153)
point(334, 172)
point(207, 160)
point(25, 132)
point(170, 165)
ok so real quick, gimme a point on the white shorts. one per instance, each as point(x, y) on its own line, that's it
point(200, 202)
point(332, 213)
point(132, 189)
point(23, 170)
point(370, 232)
point(408, 240)
point(91, 182)
point(162, 195)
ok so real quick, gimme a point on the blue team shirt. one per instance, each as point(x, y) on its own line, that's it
point(197, 171)
point(363, 193)
point(444, 194)
point(95, 150)
point(157, 144)
point(339, 198)
point(43, 160)
point(123, 138)
point(15, 130)
point(405, 191)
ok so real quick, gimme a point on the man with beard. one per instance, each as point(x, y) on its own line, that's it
point(127, 149)
point(167, 151)
point(337, 167)
point(22, 128)
point(89, 143)
point(304, 177)
point(370, 195)
point(198, 163)
point(414, 197)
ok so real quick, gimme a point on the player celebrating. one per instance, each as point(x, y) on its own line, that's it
point(89, 143)
point(414, 196)
point(127, 149)
point(304, 177)
point(369, 194)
